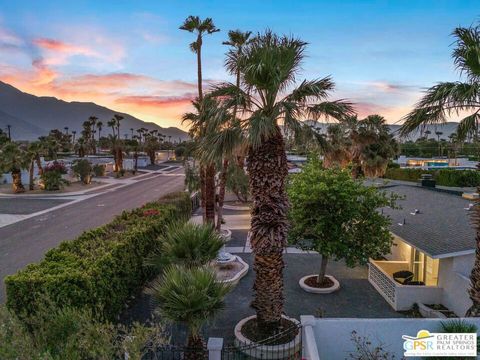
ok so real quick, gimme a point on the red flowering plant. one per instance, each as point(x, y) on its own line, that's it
point(52, 176)
point(151, 212)
point(57, 166)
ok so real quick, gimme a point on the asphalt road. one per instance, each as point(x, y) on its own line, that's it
point(27, 241)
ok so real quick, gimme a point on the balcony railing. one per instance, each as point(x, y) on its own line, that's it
point(400, 297)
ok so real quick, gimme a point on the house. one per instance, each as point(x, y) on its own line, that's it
point(434, 245)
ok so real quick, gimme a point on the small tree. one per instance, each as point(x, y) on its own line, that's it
point(83, 169)
point(191, 296)
point(338, 216)
point(13, 159)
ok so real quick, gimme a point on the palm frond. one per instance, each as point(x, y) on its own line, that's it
point(439, 102)
point(468, 126)
point(466, 55)
point(338, 109)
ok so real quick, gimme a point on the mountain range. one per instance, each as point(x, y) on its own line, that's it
point(31, 116)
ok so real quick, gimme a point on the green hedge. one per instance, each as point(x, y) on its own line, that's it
point(445, 177)
point(102, 267)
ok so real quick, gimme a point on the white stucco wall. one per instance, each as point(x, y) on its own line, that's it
point(453, 277)
point(333, 336)
point(400, 250)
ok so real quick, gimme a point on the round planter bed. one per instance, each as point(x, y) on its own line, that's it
point(259, 351)
point(231, 272)
point(226, 234)
point(335, 285)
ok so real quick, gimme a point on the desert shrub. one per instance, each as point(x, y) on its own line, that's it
point(101, 268)
point(71, 333)
point(52, 176)
point(99, 170)
point(82, 168)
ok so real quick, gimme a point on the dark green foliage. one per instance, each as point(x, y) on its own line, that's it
point(99, 170)
point(237, 182)
point(54, 333)
point(83, 169)
point(445, 177)
point(187, 244)
point(102, 267)
point(338, 216)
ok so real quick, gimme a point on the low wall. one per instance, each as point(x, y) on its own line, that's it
point(407, 295)
point(333, 336)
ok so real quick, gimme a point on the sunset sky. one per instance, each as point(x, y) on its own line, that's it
point(131, 57)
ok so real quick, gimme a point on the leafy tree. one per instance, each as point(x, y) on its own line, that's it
point(237, 182)
point(338, 216)
point(191, 296)
point(83, 169)
point(13, 159)
point(270, 65)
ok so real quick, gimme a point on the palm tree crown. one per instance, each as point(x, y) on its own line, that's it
point(453, 98)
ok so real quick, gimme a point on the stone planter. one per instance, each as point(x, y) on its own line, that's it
point(428, 312)
point(240, 274)
point(314, 290)
point(257, 351)
point(226, 234)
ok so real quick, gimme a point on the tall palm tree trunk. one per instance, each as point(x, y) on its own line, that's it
point(210, 194)
point(17, 182)
point(39, 165)
point(267, 167)
point(199, 67)
point(221, 193)
point(30, 178)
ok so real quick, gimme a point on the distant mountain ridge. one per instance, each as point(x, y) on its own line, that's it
point(447, 129)
point(32, 116)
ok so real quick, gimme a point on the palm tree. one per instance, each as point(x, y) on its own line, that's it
point(237, 40)
point(34, 150)
point(13, 159)
point(99, 127)
point(187, 244)
point(118, 118)
point(73, 138)
point(131, 130)
point(200, 27)
point(439, 133)
point(453, 98)
point(66, 130)
point(191, 296)
point(269, 65)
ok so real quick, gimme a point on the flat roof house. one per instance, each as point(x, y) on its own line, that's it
point(433, 252)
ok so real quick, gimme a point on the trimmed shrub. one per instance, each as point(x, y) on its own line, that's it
point(102, 267)
point(99, 170)
point(82, 168)
point(445, 177)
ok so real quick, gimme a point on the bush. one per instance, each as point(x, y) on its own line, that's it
point(445, 177)
point(52, 176)
point(70, 333)
point(102, 267)
point(99, 170)
point(83, 169)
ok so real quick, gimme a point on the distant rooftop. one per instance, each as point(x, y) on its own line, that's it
point(442, 228)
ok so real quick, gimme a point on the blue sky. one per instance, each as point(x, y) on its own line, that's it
point(130, 55)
